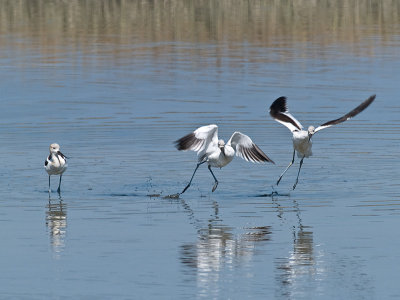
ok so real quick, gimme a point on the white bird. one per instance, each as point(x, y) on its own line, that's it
point(301, 138)
point(204, 140)
point(55, 164)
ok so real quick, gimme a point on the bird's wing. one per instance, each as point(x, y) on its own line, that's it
point(62, 155)
point(347, 116)
point(278, 110)
point(246, 149)
point(48, 159)
point(199, 139)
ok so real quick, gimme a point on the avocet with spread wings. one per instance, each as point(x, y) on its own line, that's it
point(301, 138)
point(204, 140)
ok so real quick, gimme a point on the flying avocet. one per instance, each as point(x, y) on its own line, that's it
point(301, 138)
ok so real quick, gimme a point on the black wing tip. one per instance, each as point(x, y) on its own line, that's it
point(259, 155)
point(267, 159)
point(371, 98)
point(362, 106)
point(279, 105)
point(185, 142)
point(352, 113)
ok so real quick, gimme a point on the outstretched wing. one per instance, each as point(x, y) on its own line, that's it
point(246, 149)
point(349, 115)
point(199, 140)
point(278, 110)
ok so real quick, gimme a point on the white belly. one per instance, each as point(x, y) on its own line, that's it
point(302, 144)
point(56, 167)
point(218, 159)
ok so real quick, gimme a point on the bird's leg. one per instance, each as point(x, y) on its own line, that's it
point(216, 181)
point(297, 179)
point(291, 163)
point(59, 185)
point(198, 165)
point(49, 186)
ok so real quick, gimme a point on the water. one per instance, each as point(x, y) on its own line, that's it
point(116, 82)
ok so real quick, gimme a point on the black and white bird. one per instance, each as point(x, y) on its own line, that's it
point(204, 140)
point(301, 138)
point(55, 164)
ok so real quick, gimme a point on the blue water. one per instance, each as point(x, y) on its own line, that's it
point(113, 234)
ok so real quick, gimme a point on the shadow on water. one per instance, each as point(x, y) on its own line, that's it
point(56, 222)
point(125, 195)
point(273, 194)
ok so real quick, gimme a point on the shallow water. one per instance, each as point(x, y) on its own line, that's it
point(115, 83)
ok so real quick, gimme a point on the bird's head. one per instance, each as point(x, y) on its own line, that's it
point(311, 131)
point(54, 148)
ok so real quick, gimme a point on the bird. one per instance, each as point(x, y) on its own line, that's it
point(55, 164)
point(213, 151)
point(302, 142)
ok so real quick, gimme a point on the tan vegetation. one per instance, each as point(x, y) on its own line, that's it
point(82, 23)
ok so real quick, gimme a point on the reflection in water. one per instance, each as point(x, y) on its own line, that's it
point(305, 272)
point(217, 248)
point(56, 221)
point(299, 265)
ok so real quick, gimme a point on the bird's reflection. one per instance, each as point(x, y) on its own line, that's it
point(298, 265)
point(217, 247)
point(56, 222)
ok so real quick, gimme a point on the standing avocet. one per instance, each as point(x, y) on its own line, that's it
point(301, 138)
point(204, 140)
point(55, 164)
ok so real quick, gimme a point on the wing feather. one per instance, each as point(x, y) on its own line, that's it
point(279, 111)
point(246, 149)
point(349, 115)
point(199, 140)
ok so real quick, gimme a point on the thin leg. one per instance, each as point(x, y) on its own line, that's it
point(49, 185)
point(59, 185)
point(291, 163)
point(190, 182)
point(298, 173)
point(216, 181)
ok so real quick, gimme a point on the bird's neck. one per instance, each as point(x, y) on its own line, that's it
point(227, 151)
point(222, 148)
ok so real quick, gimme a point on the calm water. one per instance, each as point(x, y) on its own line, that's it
point(116, 82)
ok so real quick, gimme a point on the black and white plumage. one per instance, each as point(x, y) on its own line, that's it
point(55, 164)
point(302, 142)
point(204, 140)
